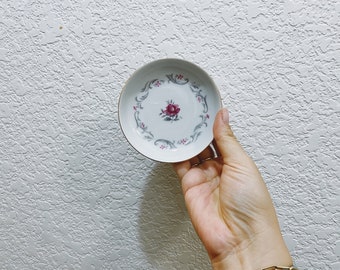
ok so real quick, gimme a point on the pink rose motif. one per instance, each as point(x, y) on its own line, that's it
point(171, 111)
point(179, 76)
point(183, 141)
point(157, 83)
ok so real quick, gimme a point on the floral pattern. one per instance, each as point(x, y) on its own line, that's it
point(171, 111)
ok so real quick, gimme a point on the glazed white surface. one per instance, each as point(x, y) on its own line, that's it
point(75, 195)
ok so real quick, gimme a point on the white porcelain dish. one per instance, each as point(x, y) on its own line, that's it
point(167, 109)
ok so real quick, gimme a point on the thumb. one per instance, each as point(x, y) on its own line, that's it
point(228, 145)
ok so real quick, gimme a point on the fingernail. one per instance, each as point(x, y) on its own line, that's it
point(225, 116)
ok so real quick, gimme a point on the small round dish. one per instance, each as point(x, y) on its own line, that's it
point(167, 109)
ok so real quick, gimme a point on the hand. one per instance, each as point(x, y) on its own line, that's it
point(230, 206)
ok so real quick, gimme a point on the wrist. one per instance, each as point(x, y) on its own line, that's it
point(255, 255)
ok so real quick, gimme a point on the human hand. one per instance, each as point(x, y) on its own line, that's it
point(230, 206)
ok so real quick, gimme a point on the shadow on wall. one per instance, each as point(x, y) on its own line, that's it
point(165, 231)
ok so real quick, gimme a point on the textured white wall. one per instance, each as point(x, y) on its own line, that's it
point(75, 195)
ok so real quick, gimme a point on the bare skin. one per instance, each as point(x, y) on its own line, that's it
point(230, 206)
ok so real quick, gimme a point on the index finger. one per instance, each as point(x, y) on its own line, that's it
point(181, 168)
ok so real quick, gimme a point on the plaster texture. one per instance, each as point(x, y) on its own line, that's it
point(75, 195)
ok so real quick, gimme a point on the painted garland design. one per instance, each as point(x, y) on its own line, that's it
point(171, 112)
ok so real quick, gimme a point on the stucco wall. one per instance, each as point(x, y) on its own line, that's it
point(75, 195)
